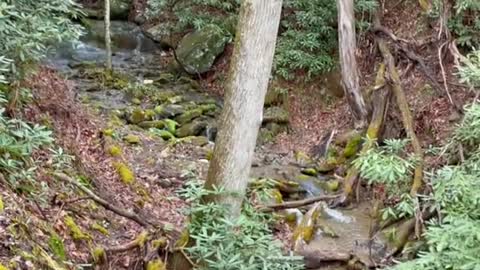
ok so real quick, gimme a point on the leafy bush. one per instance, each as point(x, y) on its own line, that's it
point(454, 241)
point(308, 38)
point(18, 140)
point(246, 243)
point(464, 21)
point(28, 27)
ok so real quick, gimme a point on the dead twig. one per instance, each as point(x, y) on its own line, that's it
point(296, 204)
point(102, 202)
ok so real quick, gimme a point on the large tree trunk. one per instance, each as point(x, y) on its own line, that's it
point(348, 62)
point(245, 94)
point(108, 41)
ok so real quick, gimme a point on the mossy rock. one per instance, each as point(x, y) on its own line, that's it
point(191, 129)
point(132, 139)
point(188, 116)
point(310, 171)
point(108, 132)
point(171, 125)
point(275, 115)
point(163, 96)
point(169, 111)
point(165, 134)
point(207, 108)
point(160, 124)
point(197, 51)
point(137, 116)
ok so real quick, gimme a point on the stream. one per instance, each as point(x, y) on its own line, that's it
point(141, 59)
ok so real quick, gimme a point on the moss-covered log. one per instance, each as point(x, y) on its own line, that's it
point(380, 97)
point(394, 81)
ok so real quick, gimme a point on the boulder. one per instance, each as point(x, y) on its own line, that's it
point(191, 129)
point(188, 116)
point(163, 33)
point(197, 51)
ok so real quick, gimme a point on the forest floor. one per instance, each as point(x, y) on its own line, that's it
point(50, 221)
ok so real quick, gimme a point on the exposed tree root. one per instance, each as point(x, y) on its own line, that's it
point(110, 206)
point(140, 241)
point(379, 100)
point(296, 204)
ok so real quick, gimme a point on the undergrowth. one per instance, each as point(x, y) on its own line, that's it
point(219, 243)
point(452, 238)
point(307, 40)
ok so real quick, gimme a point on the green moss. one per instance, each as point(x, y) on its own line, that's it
point(108, 132)
point(132, 139)
point(159, 124)
point(163, 96)
point(159, 110)
point(209, 155)
point(156, 265)
point(136, 101)
point(207, 108)
point(3, 267)
point(100, 228)
point(310, 171)
point(126, 175)
point(75, 231)
point(115, 151)
point(160, 243)
point(55, 243)
point(352, 146)
point(137, 116)
point(276, 195)
point(1, 204)
point(150, 114)
point(99, 255)
point(302, 158)
point(171, 125)
point(188, 116)
point(165, 134)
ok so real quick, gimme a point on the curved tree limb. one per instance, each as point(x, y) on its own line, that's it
point(107, 205)
point(295, 204)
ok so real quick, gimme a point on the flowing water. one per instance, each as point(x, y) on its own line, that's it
point(139, 57)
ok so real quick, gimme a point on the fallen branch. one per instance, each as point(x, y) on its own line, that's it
point(402, 102)
point(380, 97)
point(296, 204)
point(102, 202)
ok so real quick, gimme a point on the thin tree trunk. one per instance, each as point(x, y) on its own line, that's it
point(245, 94)
point(348, 62)
point(108, 41)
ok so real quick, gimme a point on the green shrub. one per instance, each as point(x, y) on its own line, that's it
point(454, 241)
point(464, 21)
point(247, 243)
point(28, 27)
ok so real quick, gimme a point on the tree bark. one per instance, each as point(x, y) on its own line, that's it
point(245, 94)
point(348, 62)
point(108, 41)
